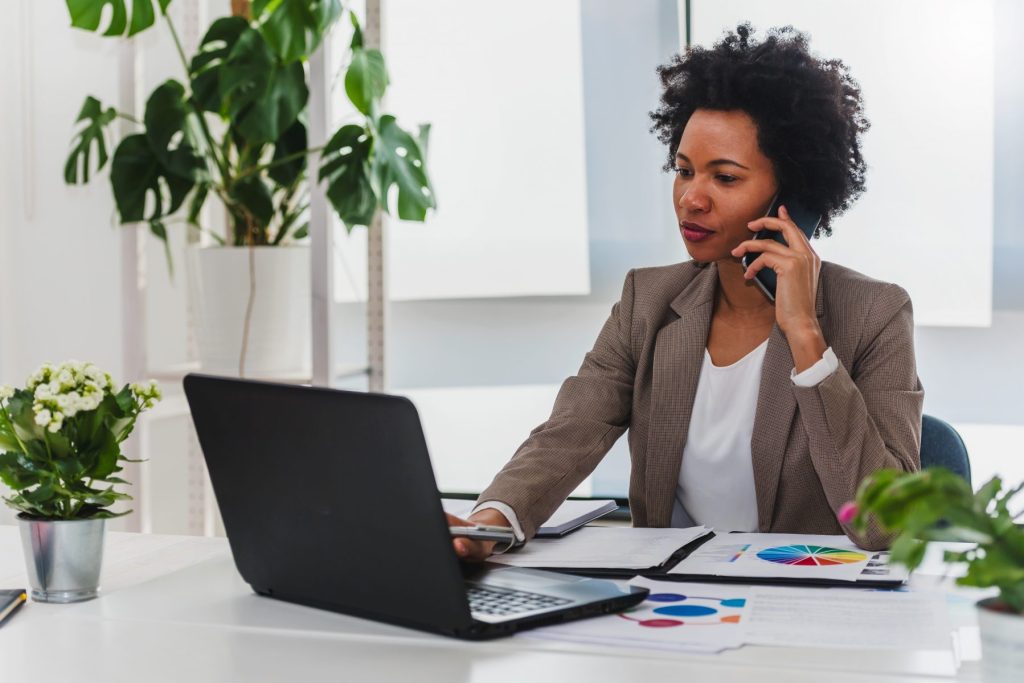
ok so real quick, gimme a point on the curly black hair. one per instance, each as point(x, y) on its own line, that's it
point(808, 111)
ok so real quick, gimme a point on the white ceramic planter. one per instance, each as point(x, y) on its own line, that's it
point(279, 331)
point(1002, 644)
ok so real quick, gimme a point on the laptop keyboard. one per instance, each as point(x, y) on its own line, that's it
point(502, 603)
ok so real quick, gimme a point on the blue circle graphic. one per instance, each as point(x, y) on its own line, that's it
point(666, 597)
point(686, 610)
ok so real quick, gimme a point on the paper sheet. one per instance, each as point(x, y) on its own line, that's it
point(800, 556)
point(848, 618)
point(602, 547)
point(684, 617)
point(694, 617)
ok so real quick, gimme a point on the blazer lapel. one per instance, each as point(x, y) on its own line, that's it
point(773, 421)
point(678, 356)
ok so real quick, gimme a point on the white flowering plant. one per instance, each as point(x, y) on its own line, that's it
point(60, 440)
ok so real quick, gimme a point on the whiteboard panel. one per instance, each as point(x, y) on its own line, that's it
point(501, 86)
point(926, 72)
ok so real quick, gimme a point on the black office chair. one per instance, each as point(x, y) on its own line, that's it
point(942, 445)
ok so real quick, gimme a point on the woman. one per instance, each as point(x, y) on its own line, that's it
point(743, 413)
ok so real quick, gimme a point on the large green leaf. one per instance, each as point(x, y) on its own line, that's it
point(264, 97)
point(252, 193)
point(291, 142)
point(294, 28)
point(345, 166)
point(366, 80)
point(166, 119)
point(205, 69)
point(86, 14)
point(399, 162)
point(107, 455)
point(8, 442)
point(23, 420)
point(137, 172)
point(90, 135)
point(17, 471)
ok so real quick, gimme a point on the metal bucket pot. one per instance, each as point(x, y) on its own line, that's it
point(63, 558)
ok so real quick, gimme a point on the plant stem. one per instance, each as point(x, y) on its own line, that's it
point(200, 229)
point(129, 117)
point(278, 162)
point(248, 309)
point(212, 148)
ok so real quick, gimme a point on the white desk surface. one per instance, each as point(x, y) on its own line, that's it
point(173, 608)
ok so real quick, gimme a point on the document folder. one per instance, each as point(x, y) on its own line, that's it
point(667, 571)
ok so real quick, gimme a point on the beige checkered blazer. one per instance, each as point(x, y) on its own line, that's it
point(811, 447)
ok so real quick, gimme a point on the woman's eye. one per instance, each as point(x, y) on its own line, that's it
point(727, 178)
point(683, 172)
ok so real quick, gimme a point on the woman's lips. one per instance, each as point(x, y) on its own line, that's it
point(695, 233)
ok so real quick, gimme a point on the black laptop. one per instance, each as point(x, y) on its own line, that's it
point(329, 500)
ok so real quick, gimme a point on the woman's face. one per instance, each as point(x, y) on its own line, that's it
point(723, 181)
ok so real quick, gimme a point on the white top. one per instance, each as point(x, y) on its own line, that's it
point(737, 509)
point(716, 480)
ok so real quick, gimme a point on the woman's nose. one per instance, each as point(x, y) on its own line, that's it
point(694, 200)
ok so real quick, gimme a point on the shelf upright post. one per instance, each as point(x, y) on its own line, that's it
point(321, 242)
point(377, 305)
point(133, 286)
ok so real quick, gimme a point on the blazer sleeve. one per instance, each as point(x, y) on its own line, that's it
point(591, 412)
point(867, 417)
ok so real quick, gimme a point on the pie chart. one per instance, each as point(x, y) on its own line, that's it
point(810, 555)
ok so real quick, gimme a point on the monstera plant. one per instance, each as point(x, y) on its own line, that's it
point(234, 126)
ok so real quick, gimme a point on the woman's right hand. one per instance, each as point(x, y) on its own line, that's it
point(469, 549)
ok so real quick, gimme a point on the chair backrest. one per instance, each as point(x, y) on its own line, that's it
point(941, 445)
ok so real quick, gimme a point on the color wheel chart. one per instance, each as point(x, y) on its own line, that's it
point(810, 555)
point(690, 610)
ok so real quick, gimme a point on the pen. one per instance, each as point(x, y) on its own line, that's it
point(10, 601)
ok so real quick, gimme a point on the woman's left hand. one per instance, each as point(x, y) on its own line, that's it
point(796, 268)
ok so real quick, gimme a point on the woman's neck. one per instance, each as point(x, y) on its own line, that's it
point(739, 297)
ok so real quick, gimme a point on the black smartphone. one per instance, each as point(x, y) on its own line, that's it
point(804, 218)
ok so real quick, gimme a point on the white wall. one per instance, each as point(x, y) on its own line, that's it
point(60, 245)
point(506, 153)
point(925, 68)
point(970, 374)
point(60, 275)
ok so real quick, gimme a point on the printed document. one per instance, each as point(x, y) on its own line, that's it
point(696, 617)
point(844, 617)
point(797, 556)
point(682, 617)
point(602, 548)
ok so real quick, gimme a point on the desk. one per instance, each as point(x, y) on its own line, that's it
point(174, 609)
